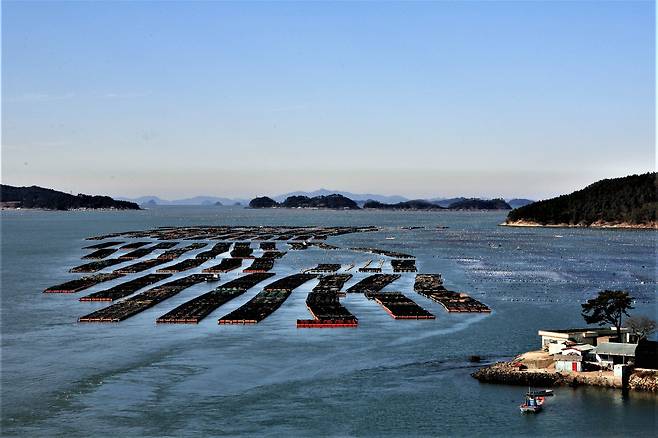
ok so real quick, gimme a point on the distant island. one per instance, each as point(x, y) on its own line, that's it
point(49, 199)
point(339, 202)
point(334, 202)
point(627, 202)
point(480, 204)
point(417, 204)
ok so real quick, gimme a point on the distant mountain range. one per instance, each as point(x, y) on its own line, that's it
point(359, 198)
point(197, 200)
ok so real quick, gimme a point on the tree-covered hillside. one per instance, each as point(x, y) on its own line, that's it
point(39, 197)
point(628, 200)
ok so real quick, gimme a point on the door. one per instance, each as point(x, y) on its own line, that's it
point(574, 366)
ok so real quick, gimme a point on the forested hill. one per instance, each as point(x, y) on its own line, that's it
point(628, 201)
point(39, 197)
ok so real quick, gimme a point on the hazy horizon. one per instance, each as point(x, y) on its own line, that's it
point(442, 99)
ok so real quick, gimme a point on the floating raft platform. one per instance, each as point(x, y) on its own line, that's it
point(399, 306)
point(393, 254)
point(100, 253)
point(373, 283)
point(182, 266)
point(332, 283)
point(219, 248)
point(266, 302)
point(326, 246)
point(431, 286)
point(195, 310)
point(96, 266)
point(83, 283)
point(124, 289)
point(273, 254)
point(428, 282)
point(140, 302)
point(165, 245)
point(371, 269)
point(268, 246)
point(289, 283)
point(241, 252)
point(325, 267)
point(137, 253)
point(173, 254)
point(260, 265)
point(298, 246)
point(404, 265)
point(225, 265)
point(134, 245)
point(103, 245)
point(141, 266)
point(324, 304)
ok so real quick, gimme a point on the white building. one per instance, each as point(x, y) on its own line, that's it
point(554, 341)
point(614, 353)
point(571, 358)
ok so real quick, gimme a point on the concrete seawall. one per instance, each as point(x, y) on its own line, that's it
point(507, 373)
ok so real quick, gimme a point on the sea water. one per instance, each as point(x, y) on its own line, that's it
point(387, 377)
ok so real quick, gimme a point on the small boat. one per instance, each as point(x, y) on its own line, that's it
point(541, 393)
point(531, 405)
point(390, 238)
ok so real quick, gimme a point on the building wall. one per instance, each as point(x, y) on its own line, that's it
point(567, 366)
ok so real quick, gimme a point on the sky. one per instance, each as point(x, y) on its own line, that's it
point(421, 99)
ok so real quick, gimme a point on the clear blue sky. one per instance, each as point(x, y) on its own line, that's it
point(238, 99)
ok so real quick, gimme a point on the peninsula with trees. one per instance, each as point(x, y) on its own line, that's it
point(627, 202)
point(616, 354)
point(35, 197)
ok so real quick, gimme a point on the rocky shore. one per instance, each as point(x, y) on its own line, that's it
point(599, 224)
point(508, 373)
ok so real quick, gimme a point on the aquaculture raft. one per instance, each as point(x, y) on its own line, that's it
point(403, 265)
point(193, 311)
point(213, 252)
point(137, 253)
point(369, 268)
point(431, 286)
point(373, 283)
point(268, 246)
point(242, 252)
point(175, 253)
point(393, 254)
point(125, 289)
point(260, 265)
point(140, 302)
point(182, 266)
point(141, 266)
point(399, 306)
point(325, 267)
point(100, 253)
point(96, 266)
point(225, 265)
point(267, 301)
point(134, 245)
point(81, 283)
point(323, 303)
point(103, 245)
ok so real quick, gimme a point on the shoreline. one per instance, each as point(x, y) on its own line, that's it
point(595, 225)
point(540, 373)
point(70, 209)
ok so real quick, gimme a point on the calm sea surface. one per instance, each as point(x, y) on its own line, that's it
point(385, 378)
